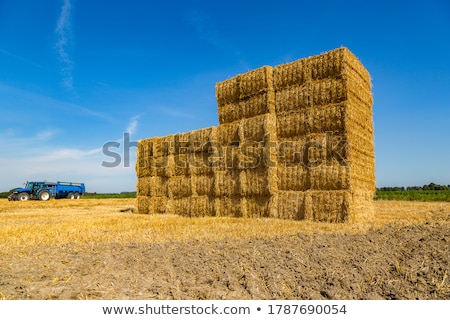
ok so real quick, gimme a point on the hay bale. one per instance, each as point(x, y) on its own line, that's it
point(159, 186)
point(291, 205)
point(292, 178)
point(181, 143)
point(329, 177)
point(292, 124)
point(159, 205)
point(227, 183)
point(202, 206)
point(254, 182)
point(256, 206)
point(163, 146)
point(143, 204)
point(258, 128)
point(202, 185)
point(143, 187)
point(256, 105)
point(163, 166)
point(294, 73)
point(328, 206)
point(228, 134)
point(179, 206)
point(144, 154)
point(201, 140)
point(230, 112)
point(181, 164)
point(227, 91)
point(294, 141)
point(255, 82)
point(328, 91)
point(293, 98)
point(179, 187)
point(228, 206)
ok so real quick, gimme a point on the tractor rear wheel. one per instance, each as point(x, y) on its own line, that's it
point(44, 195)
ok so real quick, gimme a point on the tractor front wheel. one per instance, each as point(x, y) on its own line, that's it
point(23, 196)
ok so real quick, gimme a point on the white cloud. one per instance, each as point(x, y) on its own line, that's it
point(46, 134)
point(64, 33)
point(132, 126)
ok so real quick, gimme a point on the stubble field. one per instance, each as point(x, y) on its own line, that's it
point(97, 249)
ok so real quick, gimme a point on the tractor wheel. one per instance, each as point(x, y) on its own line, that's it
point(77, 196)
point(23, 196)
point(71, 196)
point(44, 195)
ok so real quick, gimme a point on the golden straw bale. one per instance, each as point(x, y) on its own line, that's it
point(257, 128)
point(200, 140)
point(202, 206)
point(293, 98)
point(163, 146)
point(291, 205)
point(143, 187)
point(226, 183)
point(292, 178)
point(179, 206)
point(328, 206)
point(255, 105)
point(329, 177)
point(293, 73)
point(181, 143)
point(256, 206)
point(228, 206)
point(228, 134)
point(181, 164)
point(203, 185)
point(254, 182)
point(143, 204)
point(159, 205)
point(227, 91)
point(159, 186)
point(163, 166)
point(325, 118)
point(230, 112)
point(328, 91)
point(255, 82)
point(292, 124)
point(180, 186)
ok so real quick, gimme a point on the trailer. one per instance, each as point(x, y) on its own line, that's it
point(44, 190)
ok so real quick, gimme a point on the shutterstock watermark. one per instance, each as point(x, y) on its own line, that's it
point(325, 149)
point(116, 156)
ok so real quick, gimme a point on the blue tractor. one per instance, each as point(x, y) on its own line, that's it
point(44, 190)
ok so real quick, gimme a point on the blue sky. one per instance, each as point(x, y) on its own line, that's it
point(76, 74)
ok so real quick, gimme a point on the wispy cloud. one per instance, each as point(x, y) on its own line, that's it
point(19, 58)
point(132, 125)
point(63, 44)
point(46, 134)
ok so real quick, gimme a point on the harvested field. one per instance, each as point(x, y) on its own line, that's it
point(90, 249)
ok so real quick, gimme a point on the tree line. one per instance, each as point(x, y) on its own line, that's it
point(427, 187)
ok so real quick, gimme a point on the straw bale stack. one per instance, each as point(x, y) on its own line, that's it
point(246, 95)
point(294, 142)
